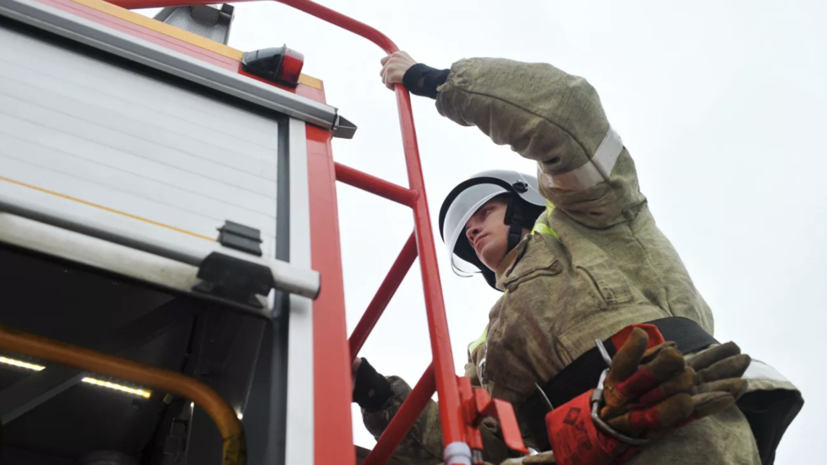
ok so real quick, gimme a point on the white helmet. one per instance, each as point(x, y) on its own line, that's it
point(525, 204)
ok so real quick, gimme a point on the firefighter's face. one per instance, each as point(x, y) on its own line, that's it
point(487, 232)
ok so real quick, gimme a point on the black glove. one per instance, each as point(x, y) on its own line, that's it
point(372, 390)
point(423, 80)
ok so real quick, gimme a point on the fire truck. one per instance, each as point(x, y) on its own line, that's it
point(172, 288)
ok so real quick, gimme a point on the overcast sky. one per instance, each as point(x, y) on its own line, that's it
point(722, 105)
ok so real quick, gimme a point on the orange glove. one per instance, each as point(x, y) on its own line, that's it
point(649, 390)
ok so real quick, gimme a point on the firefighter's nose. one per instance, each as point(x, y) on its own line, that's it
point(472, 232)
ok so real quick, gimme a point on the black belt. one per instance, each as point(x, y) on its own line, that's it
point(584, 373)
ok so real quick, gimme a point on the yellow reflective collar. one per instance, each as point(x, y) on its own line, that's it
point(473, 346)
point(549, 209)
point(545, 229)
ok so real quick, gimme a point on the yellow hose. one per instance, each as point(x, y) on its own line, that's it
point(235, 448)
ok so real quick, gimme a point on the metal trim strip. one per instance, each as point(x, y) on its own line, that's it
point(300, 381)
point(294, 279)
point(177, 64)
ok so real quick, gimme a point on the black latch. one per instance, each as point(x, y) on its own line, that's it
point(234, 278)
point(239, 237)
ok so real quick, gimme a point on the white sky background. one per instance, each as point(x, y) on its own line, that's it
point(722, 105)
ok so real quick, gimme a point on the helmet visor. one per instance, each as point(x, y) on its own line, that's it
point(462, 208)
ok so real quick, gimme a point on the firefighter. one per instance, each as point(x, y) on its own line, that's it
point(578, 257)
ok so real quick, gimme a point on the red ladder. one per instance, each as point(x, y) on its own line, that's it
point(461, 407)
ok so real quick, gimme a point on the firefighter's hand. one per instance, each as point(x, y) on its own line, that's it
point(370, 389)
point(394, 67)
point(649, 392)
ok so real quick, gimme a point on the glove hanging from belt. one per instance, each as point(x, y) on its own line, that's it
point(649, 390)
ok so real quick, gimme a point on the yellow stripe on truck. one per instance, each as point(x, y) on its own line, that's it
point(176, 33)
point(162, 28)
point(111, 210)
point(310, 81)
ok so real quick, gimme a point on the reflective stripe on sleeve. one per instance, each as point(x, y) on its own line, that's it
point(597, 170)
point(760, 370)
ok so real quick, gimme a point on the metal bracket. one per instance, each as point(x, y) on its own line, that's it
point(343, 128)
point(203, 20)
point(478, 404)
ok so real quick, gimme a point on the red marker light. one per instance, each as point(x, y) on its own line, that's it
point(281, 65)
point(291, 66)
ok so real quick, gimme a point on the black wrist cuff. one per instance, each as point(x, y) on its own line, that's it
point(372, 390)
point(423, 80)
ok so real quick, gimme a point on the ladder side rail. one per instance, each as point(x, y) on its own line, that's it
point(453, 425)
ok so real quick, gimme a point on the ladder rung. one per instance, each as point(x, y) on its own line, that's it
point(375, 185)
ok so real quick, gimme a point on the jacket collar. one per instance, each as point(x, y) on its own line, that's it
point(508, 262)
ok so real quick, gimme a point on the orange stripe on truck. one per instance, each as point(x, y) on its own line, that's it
point(111, 210)
point(180, 34)
point(163, 28)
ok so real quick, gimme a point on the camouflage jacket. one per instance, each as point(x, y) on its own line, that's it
point(597, 264)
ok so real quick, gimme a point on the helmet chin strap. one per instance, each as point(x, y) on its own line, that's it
point(462, 273)
point(515, 217)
